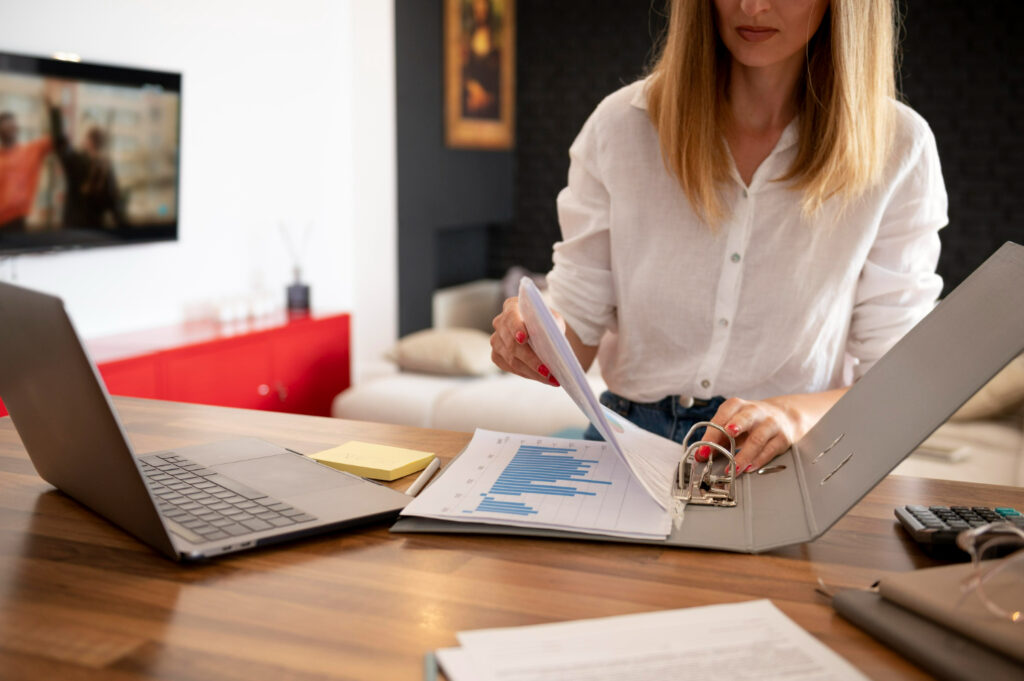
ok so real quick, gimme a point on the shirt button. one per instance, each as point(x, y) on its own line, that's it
point(744, 193)
point(705, 383)
point(735, 257)
point(723, 322)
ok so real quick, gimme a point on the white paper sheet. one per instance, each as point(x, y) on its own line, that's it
point(531, 481)
point(752, 640)
point(652, 459)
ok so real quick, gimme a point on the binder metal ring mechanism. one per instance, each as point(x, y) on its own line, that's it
point(696, 482)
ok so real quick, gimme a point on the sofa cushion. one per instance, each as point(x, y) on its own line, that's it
point(450, 352)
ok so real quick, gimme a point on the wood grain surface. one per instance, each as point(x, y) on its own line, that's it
point(79, 599)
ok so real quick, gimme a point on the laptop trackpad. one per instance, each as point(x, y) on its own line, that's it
point(285, 475)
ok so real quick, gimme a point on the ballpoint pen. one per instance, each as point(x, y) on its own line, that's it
point(424, 477)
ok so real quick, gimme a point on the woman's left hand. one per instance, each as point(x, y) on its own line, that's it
point(763, 429)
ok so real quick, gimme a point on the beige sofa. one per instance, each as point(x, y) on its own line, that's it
point(453, 385)
point(456, 388)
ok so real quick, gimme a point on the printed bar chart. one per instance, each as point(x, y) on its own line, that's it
point(535, 469)
point(542, 482)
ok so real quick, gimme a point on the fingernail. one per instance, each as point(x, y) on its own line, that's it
point(733, 428)
point(554, 381)
point(543, 370)
point(703, 453)
point(520, 337)
point(748, 468)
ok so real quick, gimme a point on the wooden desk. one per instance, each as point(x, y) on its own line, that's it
point(80, 599)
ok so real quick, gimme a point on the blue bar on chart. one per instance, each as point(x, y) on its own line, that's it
point(537, 470)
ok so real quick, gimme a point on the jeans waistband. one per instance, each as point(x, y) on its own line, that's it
point(670, 404)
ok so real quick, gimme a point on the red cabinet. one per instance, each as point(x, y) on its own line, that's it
point(228, 373)
point(135, 377)
point(297, 366)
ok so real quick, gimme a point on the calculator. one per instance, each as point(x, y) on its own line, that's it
point(939, 525)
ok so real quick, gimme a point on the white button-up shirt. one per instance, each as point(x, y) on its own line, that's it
point(769, 304)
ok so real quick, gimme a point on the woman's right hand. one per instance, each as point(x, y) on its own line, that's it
point(510, 349)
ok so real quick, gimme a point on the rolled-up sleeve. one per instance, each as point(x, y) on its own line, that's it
point(580, 283)
point(898, 285)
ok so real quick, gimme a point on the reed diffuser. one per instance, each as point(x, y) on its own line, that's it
point(297, 294)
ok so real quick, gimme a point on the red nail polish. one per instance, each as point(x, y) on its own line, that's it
point(733, 428)
point(520, 337)
point(749, 468)
point(554, 382)
point(543, 370)
point(702, 454)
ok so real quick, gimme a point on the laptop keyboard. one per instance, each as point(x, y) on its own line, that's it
point(210, 504)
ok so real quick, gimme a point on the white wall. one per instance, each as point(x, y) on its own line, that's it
point(375, 226)
point(272, 130)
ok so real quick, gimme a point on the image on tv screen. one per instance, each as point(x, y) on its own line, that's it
point(89, 155)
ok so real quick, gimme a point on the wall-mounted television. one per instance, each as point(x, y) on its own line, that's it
point(89, 154)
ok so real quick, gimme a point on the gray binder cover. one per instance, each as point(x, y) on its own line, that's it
point(954, 351)
point(938, 650)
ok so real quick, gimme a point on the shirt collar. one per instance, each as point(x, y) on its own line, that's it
point(639, 99)
point(790, 136)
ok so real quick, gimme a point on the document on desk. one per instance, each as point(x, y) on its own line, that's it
point(652, 459)
point(554, 483)
point(752, 640)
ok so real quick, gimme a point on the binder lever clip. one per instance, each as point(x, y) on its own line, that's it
point(697, 482)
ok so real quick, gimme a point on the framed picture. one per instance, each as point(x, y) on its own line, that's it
point(479, 73)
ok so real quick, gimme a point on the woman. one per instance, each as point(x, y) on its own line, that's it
point(757, 219)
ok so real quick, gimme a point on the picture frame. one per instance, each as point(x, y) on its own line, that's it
point(479, 74)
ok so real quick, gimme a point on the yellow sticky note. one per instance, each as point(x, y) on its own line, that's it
point(380, 462)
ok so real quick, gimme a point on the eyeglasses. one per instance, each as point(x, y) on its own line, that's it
point(997, 582)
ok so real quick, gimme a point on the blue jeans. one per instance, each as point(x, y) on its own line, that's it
point(666, 417)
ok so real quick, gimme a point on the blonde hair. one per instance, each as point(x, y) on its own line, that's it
point(843, 102)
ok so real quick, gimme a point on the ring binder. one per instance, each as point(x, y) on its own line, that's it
point(696, 482)
point(883, 417)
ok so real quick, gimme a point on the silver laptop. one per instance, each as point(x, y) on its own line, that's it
point(188, 503)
